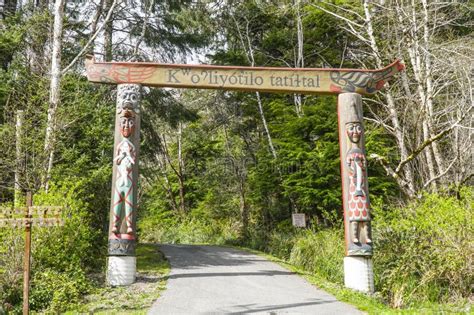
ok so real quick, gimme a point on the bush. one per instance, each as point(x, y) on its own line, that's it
point(422, 250)
point(11, 269)
point(61, 256)
point(54, 292)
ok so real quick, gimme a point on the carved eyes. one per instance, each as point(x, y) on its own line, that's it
point(133, 97)
point(127, 122)
point(354, 128)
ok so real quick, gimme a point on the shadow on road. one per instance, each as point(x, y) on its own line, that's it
point(222, 280)
point(254, 308)
point(194, 257)
point(230, 274)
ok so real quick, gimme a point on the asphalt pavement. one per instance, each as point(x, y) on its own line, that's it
point(220, 280)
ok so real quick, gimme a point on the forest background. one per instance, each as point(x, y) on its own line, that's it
point(228, 167)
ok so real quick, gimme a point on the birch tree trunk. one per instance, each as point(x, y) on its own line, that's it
point(54, 92)
point(20, 115)
point(300, 56)
point(248, 48)
point(429, 85)
point(394, 118)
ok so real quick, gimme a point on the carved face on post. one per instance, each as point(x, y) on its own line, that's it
point(127, 123)
point(354, 131)
point(128, 98)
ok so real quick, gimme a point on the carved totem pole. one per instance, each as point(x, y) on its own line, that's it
point(355, 193)
point(122, 232)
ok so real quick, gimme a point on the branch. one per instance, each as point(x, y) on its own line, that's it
point(143, 32)
point(440, 174)
point(429, 141)
point(338, 16)
point(404, 185)
point(91, 40)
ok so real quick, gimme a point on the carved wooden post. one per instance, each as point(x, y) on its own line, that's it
point(122, 228)
point(358, 272)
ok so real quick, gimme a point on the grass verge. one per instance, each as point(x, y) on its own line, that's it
point(152, 269)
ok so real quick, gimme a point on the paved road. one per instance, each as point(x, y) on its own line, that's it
point(218, 280)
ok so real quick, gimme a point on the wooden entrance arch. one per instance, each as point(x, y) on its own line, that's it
point(348, 84)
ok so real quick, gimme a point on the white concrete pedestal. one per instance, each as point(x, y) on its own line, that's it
point(121, 270)
point(359, 274)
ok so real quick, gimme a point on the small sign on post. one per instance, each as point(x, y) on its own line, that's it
point(299, 220)
point(43, 216)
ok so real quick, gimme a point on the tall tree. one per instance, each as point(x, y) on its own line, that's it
point(54, 91)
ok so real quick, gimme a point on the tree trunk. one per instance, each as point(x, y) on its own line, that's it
point(182, 204)
point(54, 92)
point(19, 159)
point(300, 56)
point(244, 211)
point(399, 135)
point(108, 31)
point(167, 185)
point(95, 20)
point(429, 85)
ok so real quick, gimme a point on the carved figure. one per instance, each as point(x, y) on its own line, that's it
point(128, 98)
point(127, 123)
point(123, 196)
point(358, 202)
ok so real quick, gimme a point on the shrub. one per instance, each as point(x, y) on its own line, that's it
point(423, 250)
point(11, 269)
point(54, 292)
point(61, 256)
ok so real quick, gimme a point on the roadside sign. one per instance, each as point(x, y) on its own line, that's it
point(299, 220)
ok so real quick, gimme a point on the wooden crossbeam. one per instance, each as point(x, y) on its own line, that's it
point(43, 211)
point(264, 79)
point(20, 217)
point(9, 212)
point(33, 211)
point(23, 222)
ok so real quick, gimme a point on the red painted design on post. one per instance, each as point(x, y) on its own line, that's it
point(122, 74)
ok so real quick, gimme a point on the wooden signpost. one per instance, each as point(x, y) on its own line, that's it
point(25, 217)
point(348, 84)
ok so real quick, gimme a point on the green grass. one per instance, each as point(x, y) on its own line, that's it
point(152, 269)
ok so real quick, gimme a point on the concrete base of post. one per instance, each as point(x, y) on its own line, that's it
point(121, 270)
point(359, 274)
